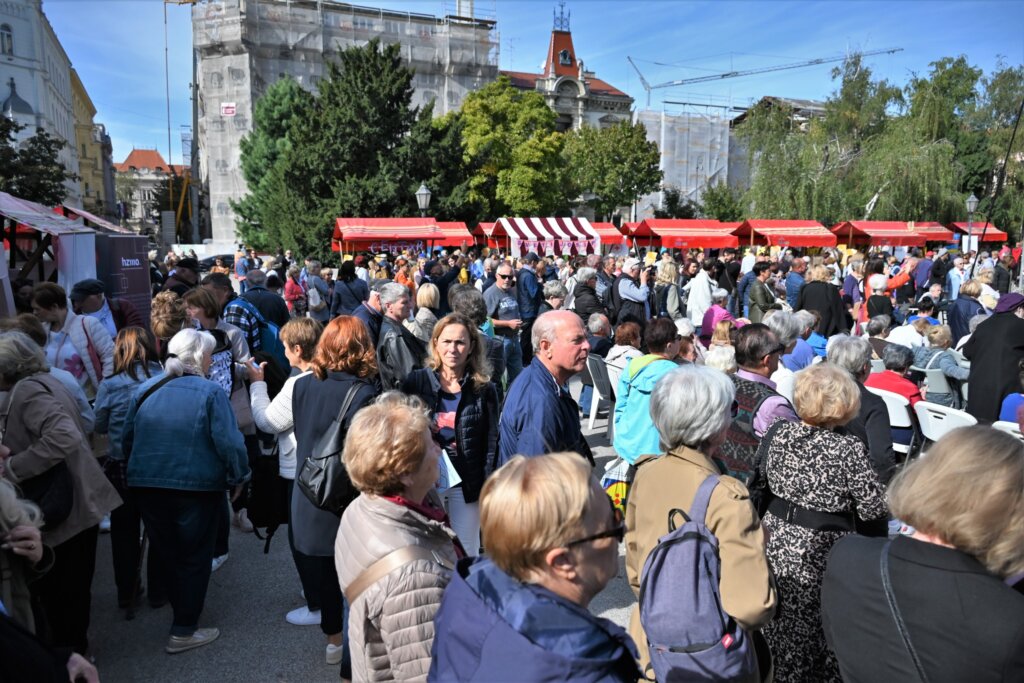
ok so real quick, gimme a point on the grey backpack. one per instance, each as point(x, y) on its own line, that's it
point(689, 635)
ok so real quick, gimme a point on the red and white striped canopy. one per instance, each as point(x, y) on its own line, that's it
point(552, 236)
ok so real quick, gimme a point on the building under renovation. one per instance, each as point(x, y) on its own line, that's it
point(243, 46)
point(694, 154)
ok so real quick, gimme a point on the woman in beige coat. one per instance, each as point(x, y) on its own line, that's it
point(690, 407)
point(44, 445)
point(395, 549)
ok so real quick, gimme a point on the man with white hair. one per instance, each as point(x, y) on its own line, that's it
point(399, 352)
point(539, 415)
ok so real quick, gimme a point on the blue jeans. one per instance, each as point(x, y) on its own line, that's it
point(586, 396)
point(513, 359)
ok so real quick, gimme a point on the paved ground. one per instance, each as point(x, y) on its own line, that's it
point(247, 601)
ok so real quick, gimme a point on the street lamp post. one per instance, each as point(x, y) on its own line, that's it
point(423, 199)
point(972, 204)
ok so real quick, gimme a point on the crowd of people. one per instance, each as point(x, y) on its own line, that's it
point(444, 514)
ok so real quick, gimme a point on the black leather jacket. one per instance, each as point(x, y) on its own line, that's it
point(476, 427)
point(399, 352)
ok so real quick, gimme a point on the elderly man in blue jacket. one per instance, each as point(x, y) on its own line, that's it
point(539, 415)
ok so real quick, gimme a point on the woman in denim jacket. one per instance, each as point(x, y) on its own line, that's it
point(134, 363)
point(185, 450)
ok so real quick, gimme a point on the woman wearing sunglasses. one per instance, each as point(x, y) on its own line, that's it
point(520, 613)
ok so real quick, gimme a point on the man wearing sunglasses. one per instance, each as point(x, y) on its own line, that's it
point(758, 403)
point(503, 310)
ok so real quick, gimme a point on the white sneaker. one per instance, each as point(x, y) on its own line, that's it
point(105, 524)
point(334, 653)
point(218, 562)
point(303, 617)
point(241, 520)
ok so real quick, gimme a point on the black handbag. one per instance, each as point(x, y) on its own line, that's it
point(53, 492)
point(323, 479)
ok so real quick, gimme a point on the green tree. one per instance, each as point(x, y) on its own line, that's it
point(616, 165)
point(720, 202)
point(32, 169)
point(357, 148)
point(859, 108)
point(949, 92)
point(513, 152)
point(674, 206)
point(284, 104)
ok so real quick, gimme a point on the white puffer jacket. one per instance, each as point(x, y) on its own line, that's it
point(82, 329)
point(391, 624)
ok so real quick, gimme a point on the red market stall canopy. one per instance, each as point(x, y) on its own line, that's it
point(380, 234)
point(608, 232)
point(456, 234)
point(682, 233)
point(934, 232)
point(554, 235)
point(638, 229)
point(785, 233)
point(992, 233)
point(879, 233)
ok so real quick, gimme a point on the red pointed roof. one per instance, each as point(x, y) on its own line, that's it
point(560, 40)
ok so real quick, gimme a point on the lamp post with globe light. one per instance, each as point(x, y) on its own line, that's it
point(423, 199)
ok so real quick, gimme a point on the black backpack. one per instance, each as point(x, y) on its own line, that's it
point(611, 300)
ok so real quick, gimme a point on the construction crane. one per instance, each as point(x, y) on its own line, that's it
point(748, 72)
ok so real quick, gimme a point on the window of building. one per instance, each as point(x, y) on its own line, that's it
point(564, 59)
point(6, 39)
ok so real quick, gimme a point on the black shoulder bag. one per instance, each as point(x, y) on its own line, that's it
point(897, 617)
point(323, 479)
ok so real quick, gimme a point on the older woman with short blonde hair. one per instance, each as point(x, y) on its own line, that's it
point(394, 550)
point(818, 484)
point(552, 545)
point(966, 550)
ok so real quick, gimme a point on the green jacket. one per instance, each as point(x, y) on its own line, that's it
point(761, 301)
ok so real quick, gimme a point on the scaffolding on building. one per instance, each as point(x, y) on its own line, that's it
point(694, 154)
point(244, 46)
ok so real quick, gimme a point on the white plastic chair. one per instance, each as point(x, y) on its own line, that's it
point(936, 421)
point(602, 391)
point(1010, 428)
point(900, 416)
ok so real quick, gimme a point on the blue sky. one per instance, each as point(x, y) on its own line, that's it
point(117, 46)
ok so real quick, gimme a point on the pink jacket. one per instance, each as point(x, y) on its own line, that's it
point(712, 317)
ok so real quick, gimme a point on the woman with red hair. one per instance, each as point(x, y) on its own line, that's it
point(344, 362)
